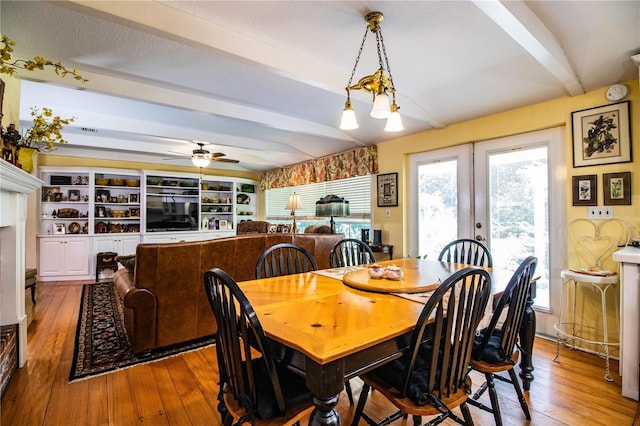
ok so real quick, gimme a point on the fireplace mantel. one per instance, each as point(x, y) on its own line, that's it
point(15, 186)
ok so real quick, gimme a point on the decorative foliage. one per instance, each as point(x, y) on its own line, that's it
point(9, 66)
point(46, 129)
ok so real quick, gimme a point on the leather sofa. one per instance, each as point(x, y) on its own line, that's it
point(164, 298)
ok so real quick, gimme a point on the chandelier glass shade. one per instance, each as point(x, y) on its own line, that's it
point(378, 84)
point(201, 157)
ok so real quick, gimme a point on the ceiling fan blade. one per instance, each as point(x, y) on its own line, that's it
point(224, 160)
point(218, 154)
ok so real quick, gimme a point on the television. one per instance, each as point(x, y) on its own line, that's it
point(171, 214)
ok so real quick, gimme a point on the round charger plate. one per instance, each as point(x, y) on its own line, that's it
point(74, 228)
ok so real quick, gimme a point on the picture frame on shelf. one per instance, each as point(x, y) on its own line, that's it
point(57, 197)
point(387, 192)
point(272, 229)
point(58, 228)
point(74, 195)
point(223, 224)
point(585, 190)
point(101, 211)
point(48, 193)
point(103, 195)
point(134, 198)
point(134, 212)
point(617, 189)
point(601, 135)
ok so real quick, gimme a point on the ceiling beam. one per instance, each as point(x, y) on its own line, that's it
point(520, 23)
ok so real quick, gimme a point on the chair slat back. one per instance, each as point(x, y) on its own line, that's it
point(284, 259)
point(467, 251)
point(350, 252)
point(514, 300)
point(444, 332)
point(240, 335)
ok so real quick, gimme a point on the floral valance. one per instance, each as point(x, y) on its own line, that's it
point(358, 162)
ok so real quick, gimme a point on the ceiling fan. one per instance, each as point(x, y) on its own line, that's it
point(202, 157)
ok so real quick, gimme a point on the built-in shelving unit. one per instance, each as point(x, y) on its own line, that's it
point(86, 211)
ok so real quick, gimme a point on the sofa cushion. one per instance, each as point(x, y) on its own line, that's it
point(128, 261)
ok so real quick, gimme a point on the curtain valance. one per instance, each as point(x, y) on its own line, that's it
point(357, 162)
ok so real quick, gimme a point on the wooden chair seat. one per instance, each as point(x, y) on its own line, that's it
point(294, 414)
point(489, 367)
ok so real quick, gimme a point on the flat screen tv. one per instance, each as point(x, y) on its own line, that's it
point(171, 214)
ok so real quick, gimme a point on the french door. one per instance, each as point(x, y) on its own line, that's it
point(508, 193)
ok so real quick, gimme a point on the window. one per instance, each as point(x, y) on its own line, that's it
point(356, 190)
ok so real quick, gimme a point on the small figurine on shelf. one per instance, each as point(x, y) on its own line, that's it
point(54, 213)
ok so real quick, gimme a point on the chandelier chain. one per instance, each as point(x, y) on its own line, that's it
point(386, 59)
point(364, 38)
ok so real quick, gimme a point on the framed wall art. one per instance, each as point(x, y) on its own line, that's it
point(601, 135)
point(74, 195)
point(58, 228)
point(388, 190)
point(585, 190)
point(617, 189)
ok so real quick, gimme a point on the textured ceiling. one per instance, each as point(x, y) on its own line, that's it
point(264, 81)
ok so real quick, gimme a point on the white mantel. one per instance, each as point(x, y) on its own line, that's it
point(15, 186)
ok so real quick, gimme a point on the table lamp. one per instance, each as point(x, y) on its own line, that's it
point(332, 206)
point(294, 203)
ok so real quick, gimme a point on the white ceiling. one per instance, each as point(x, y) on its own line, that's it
point(264, 81)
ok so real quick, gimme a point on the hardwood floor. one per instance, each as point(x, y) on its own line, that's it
point(182, 390)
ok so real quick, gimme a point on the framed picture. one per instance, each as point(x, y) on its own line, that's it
point(134, 198)
point(286, 229)
point(585, 190)
point(388, 190)
point(113, 199)
point(101, 211)
point(58, 228)
point(74, 195)
point(601, 135)
point(103, 195)
point(134, 212)
point(57, 197)
point(48, 193)
point(223, 225)
point(617, 189)
point(272, 229)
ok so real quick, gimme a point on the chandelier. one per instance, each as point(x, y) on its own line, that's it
point(378, 84)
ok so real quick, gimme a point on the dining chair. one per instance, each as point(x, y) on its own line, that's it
point(431, 377)
point(254, 387)
point(350, 252)
point(467, 251)
point(284, 259)
point(494, 347)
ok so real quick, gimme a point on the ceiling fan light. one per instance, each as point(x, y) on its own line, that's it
point(380, 106)
point(394, 122)
point(348, 121)
point(201, 160)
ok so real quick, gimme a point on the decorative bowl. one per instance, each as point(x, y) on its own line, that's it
point(116, 182)
point(132, 182)
point(118, 213)
point(102, 181)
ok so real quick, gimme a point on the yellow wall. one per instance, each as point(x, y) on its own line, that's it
point(393, 155)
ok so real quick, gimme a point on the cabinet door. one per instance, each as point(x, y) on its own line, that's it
point(77, 256)
point(52, 257)
point(128, 244)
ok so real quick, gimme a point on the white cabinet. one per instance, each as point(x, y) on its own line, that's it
point(64, 202)
point(175, 237)
point(122, 244)
point(116, 201)
point(246, 200)
point(64, 256)
point(216, 206)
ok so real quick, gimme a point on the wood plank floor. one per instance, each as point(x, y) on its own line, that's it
point(182, 390)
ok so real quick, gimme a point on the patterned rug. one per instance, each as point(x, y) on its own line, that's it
point(102, 345)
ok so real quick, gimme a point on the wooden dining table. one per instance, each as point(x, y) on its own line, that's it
point(332, 327)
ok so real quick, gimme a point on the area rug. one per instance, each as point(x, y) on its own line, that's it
point(102, 344)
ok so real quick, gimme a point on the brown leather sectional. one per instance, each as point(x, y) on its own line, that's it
point(164, 298)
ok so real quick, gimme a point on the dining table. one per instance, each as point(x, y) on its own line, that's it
point(335, 324)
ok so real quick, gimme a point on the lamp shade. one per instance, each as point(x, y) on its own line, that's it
point(380, 106)
point(294, 203)
point(394, 123)
point(201, 160)
point(349, 121)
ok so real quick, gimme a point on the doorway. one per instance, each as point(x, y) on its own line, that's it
point(508, 193)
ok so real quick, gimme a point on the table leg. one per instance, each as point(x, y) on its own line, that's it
point(325, 383)
point(527, 336)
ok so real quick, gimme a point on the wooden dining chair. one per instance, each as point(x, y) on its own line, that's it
point(284, 259)
point(494, 348)
point(254, 387)
point(350, 252)
point(467, 251)
point(432, 377)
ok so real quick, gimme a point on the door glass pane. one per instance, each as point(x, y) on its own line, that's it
point(518, 211)
point(437, 206)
